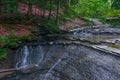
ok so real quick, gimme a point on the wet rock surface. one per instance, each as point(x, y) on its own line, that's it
point(28, 69)
point(71, 58)
point(82, 65)
point(77, 63)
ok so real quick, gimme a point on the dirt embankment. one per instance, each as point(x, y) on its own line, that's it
point(18, 30)
point(73, 23)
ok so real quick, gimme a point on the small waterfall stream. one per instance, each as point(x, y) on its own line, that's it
point(66, 62)
point(25, 56)
point(28, 55)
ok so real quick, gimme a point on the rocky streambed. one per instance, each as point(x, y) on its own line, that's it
point(81, 55)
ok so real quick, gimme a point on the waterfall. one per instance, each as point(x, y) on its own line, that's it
point(25, 54)
point(63, 62)
point(28, 55)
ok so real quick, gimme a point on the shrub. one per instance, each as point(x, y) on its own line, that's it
point(51, 28)
point(92, 8)
point(114, 13)
point(4, 40)
point(3, 53)
point(10, 41)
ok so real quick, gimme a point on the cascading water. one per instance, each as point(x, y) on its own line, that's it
point(28, 55)
point(67, 62)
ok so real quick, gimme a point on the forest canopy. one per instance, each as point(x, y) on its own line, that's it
point(72, 8)
point(51, 14)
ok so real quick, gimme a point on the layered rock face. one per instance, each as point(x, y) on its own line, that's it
point(79, 63)
point(90, 57)
point(74, 63)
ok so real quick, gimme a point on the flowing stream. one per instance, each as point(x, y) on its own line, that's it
point(27, 55)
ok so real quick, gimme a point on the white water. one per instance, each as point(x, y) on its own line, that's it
point(28, 55)
point(25, 56)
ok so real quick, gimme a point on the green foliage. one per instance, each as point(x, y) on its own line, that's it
point(67, 9)
point(113, 13)
point(10, 41)
point(116, 4)
point(114, 21)
point(13, 40)
point(49, 26)
point(28, 17)
point(88, 22)
point(9, 27)
point(22, 38)
point(14, 18)
point(51, 29)
point(10, 5)
point(4, 40)
point(92, 8)
point(3, 53)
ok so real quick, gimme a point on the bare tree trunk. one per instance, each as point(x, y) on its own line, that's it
point(30, 8)
point(0, 6)
point(43, 15)
point(50, 10)
point(17, 2)
point(57, 16)
point(69, 2)
point(36, 8)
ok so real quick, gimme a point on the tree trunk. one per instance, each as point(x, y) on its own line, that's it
point(17, 2)
point(43, 15)
point(0, 6)
point(50, 10)
point(30, 8)
point(57, 16)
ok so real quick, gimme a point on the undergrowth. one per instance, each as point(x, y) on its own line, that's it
point(9, 41)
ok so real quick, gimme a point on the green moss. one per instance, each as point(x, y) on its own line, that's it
point(114, 46)
point(97, 39)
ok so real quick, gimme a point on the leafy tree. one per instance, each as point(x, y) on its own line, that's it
point(116, 4)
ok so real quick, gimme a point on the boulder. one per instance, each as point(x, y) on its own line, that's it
point(28, 69)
